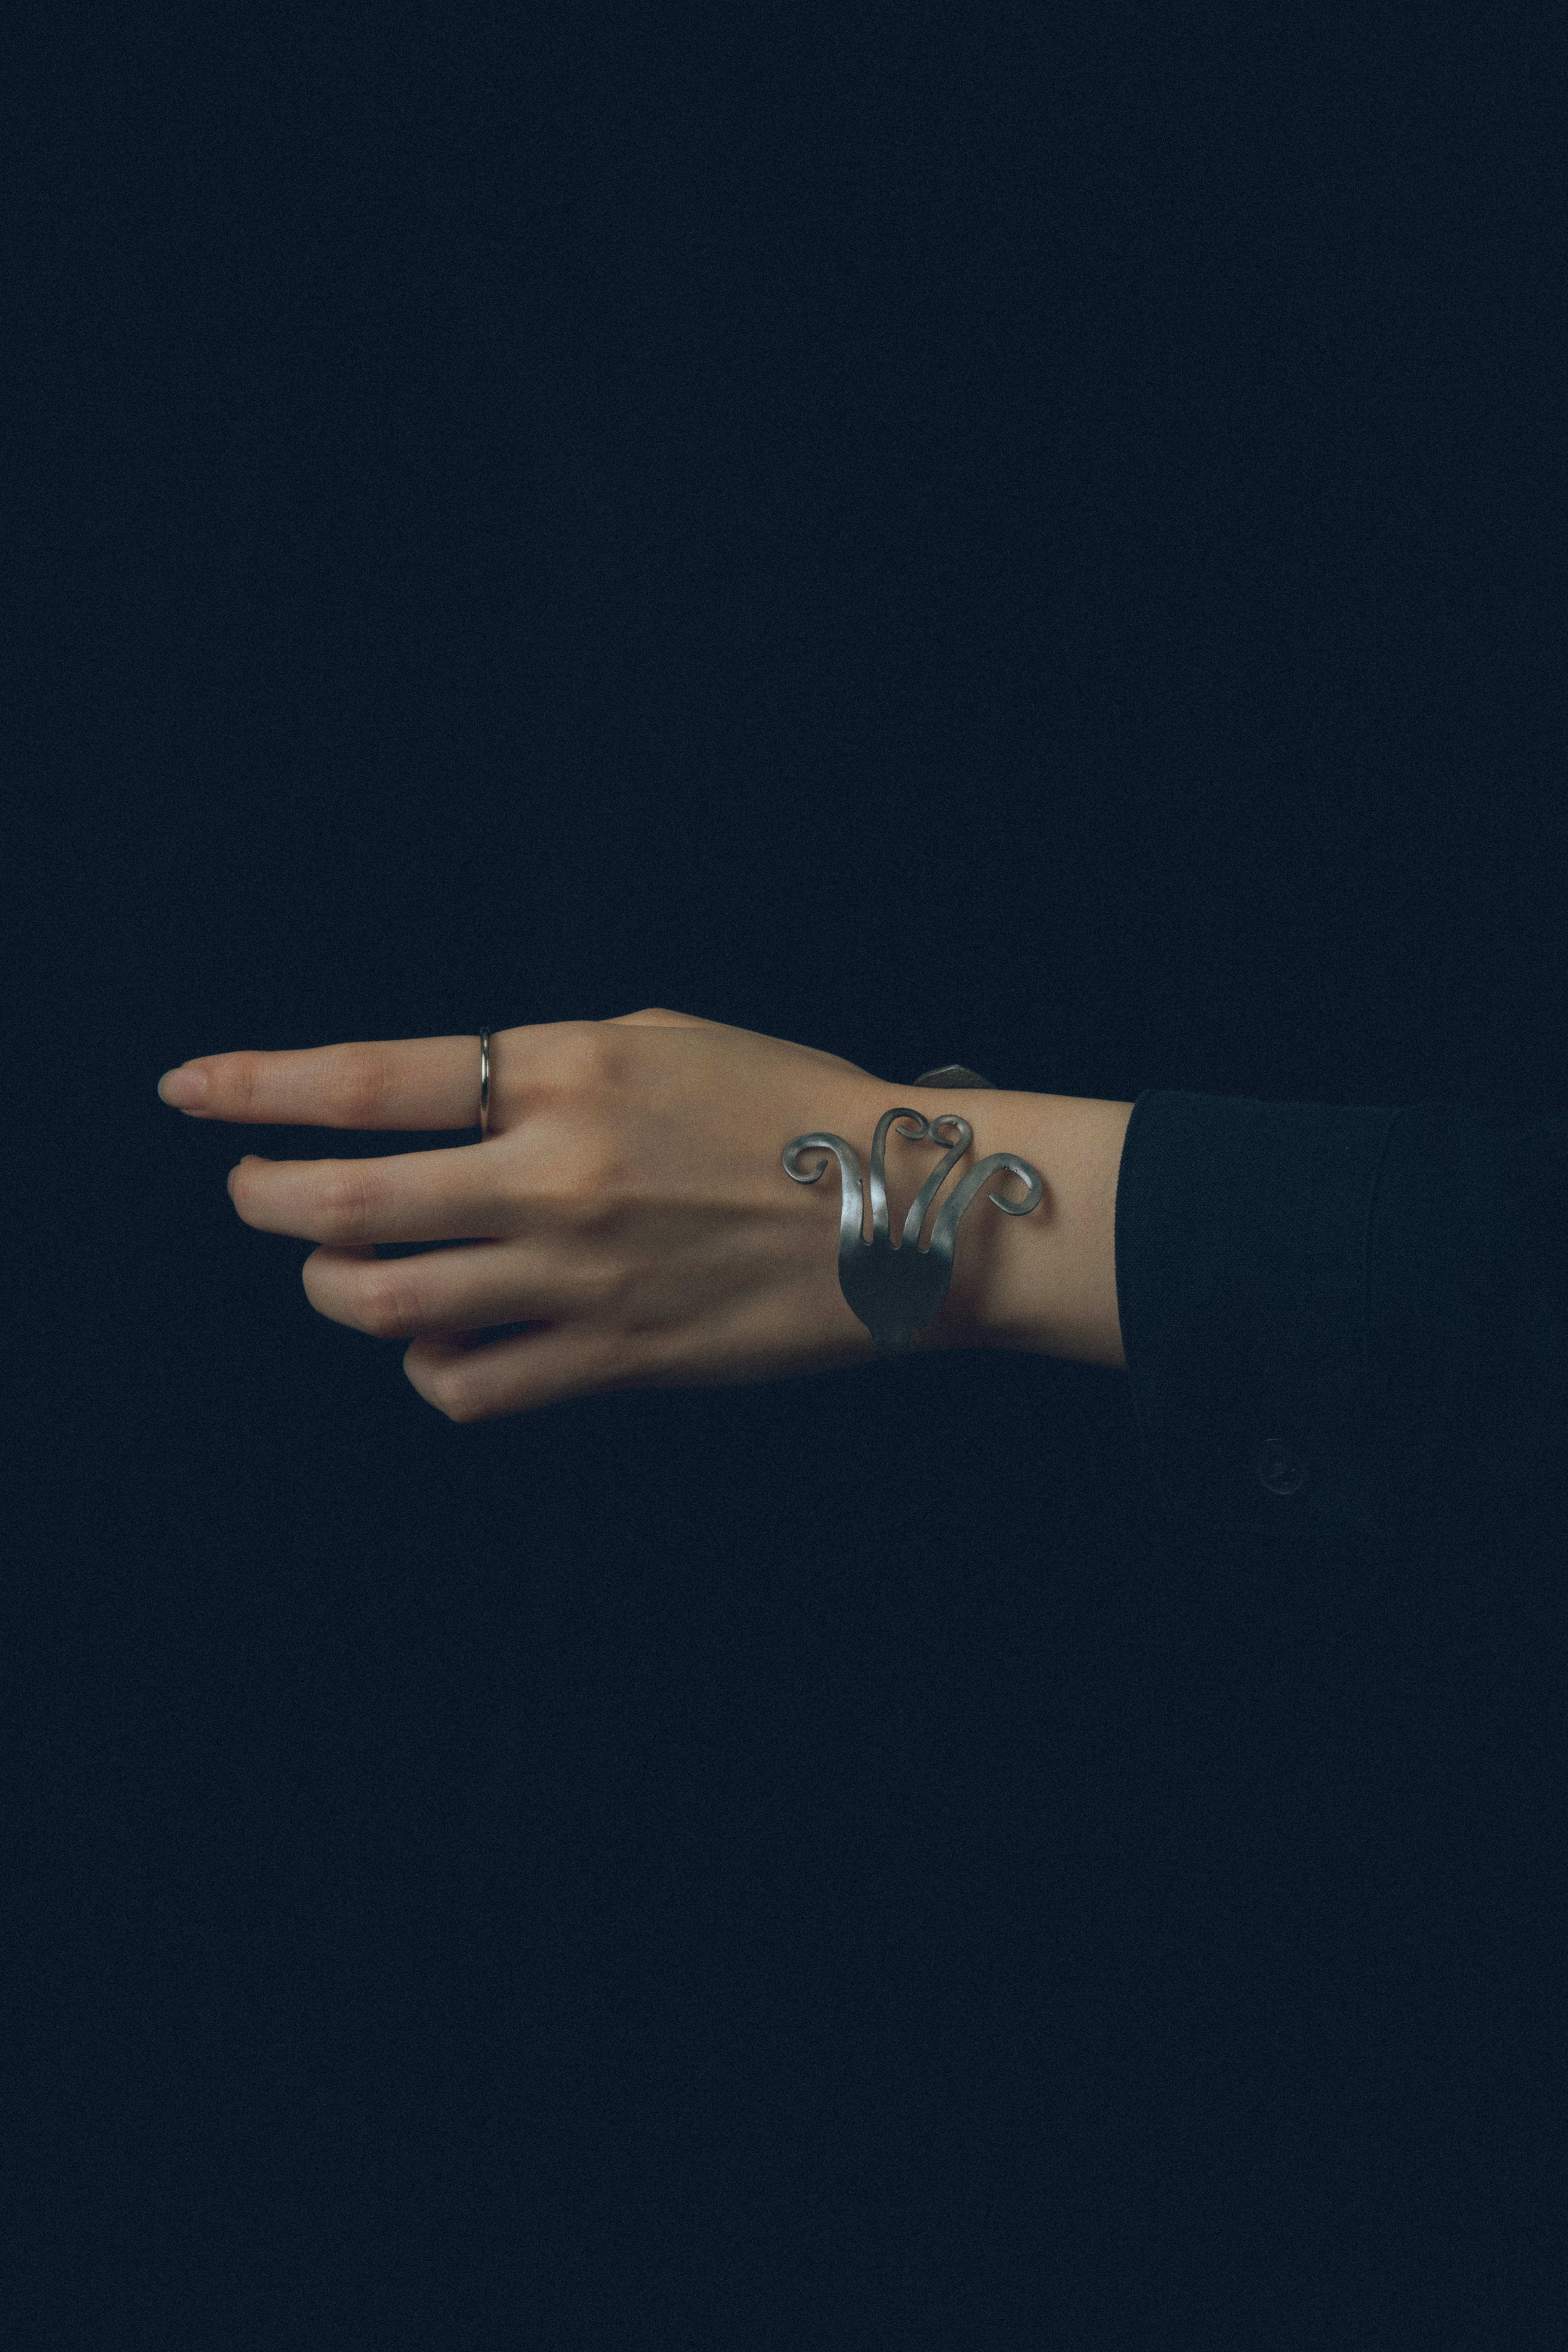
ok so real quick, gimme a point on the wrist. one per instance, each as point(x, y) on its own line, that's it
point(1043, 1284)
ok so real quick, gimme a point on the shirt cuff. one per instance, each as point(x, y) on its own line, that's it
point(1241, 1284)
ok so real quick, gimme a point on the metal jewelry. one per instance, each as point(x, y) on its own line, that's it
point(895, 1288)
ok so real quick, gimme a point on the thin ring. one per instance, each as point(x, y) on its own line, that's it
point(484, 1084)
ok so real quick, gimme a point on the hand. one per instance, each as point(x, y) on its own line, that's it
point(628, 1202)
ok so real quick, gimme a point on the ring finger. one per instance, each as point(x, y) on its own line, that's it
point(469, 1288)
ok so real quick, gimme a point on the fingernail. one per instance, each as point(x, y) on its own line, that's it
point(184, 1087)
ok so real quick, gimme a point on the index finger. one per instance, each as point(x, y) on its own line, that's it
point(405, 1083)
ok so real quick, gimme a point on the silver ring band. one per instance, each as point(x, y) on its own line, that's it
point(484, 1084)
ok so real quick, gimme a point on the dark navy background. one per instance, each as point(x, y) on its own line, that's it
point(936, 533)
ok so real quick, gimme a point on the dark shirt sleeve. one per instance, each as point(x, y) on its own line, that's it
point(1346, 1326)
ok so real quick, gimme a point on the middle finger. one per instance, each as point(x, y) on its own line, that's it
point(445, 1290)
point(408, 1196)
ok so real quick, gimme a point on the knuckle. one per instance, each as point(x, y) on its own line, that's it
point(595, 1179)
point(389, 1307)
point(583, 1199)
point(462, 1406)
point(344, 1201)
point(581, 1183)
point(447, 1387)
point(584, 1055)
point(241, 1083)
point(361, 1080)
point(666, 1017)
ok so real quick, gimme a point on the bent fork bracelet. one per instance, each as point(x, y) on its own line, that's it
point(894, 1289)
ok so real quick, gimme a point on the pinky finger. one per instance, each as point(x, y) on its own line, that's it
point(470, 1378)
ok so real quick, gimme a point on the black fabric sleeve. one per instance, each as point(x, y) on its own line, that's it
point(1346, 1326)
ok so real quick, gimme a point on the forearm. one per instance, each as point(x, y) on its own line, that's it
point(1044, 1284)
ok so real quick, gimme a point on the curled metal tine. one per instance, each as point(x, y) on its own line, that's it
point(878, 1161)
point(933, 1184)
point(945, 1231)
point(852, 1203)
point(895, 1288)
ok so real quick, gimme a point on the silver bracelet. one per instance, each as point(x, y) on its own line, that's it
point(895, 1288)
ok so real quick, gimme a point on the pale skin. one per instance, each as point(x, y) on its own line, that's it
point(629, 1204)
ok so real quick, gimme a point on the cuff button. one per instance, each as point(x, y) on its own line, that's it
point(1281, 1469)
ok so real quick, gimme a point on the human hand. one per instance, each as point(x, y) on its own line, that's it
point(629, 1203)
